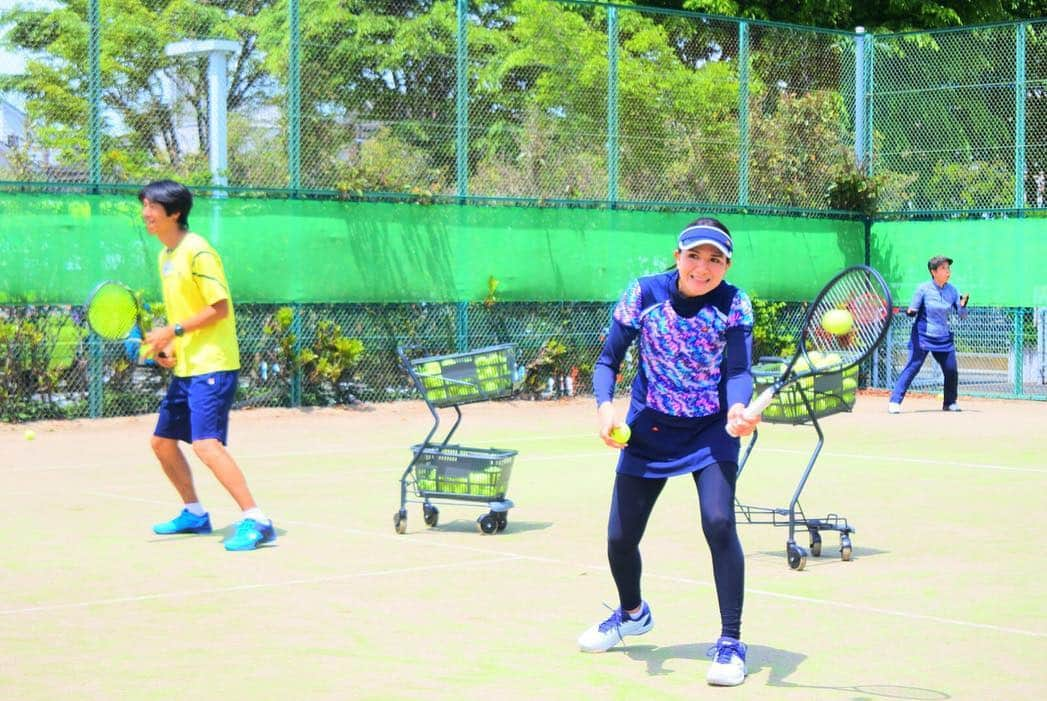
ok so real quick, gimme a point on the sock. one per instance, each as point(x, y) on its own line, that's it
point(257, 515)
point(636, 616)
point(195, 509)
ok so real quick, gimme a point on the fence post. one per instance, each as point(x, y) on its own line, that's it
point(743, 113)
point(1019, 115)
point(612, 104)
point(94, 94)
point(462, 328)
point(888, 363)
point(294, 100)
point(296, 377)
point(863, 77)
point(1019, 355)
point(461, 101)
point(94, 375)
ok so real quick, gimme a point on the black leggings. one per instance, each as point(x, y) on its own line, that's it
point(631, 505)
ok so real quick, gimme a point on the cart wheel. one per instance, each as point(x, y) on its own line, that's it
point(431, 515)
point(400, 521)
point(816, 543)
point(487, 524)
point(796, 555)
point(845, 548)
point(501, 520)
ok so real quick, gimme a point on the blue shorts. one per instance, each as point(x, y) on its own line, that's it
point(197, 407)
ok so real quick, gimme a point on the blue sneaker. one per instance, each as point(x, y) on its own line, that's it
point(250, 534)
point(603, 636)
point(184, 522)
point(728, 667)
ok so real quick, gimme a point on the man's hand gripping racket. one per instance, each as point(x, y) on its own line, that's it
point(858, 292)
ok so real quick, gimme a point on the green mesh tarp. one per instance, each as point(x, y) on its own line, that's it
point(998, 261)
point(54, 249)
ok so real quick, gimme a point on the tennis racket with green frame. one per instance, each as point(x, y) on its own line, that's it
point(113, 311)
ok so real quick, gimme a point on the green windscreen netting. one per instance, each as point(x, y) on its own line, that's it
point(54, 249)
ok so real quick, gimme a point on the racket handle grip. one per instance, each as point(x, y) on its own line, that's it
point(755, 408)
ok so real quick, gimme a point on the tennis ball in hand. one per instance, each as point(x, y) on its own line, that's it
point(621, 433)
point(837, 321)
point(30, 434)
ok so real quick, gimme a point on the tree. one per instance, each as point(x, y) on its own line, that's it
point(874, 15)
point(142, 132)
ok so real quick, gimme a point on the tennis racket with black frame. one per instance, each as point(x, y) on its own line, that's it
point(860, 291)
point(113, 310)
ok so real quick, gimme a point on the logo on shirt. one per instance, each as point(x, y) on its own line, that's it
point(168, 267)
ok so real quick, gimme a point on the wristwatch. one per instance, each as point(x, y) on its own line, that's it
point(178, 330)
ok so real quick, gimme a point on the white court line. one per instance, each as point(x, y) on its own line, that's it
point(895, 613)
point(247, 587)
point(868, 609)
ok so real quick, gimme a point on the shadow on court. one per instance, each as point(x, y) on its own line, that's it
point(656, 657)
point(783, 663)
point(222, 533)
point(465, 525)
point(780, 664)
point(830, 554)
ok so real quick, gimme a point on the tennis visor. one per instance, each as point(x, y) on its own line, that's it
point(697, 235)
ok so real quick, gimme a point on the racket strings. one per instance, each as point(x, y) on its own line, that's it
point(112, 311)
point(865, 298)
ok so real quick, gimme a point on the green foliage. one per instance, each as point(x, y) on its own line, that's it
point(133, 67)
point(874, 15)
point(326, 360)
point(328, 363)
point(38, 349)
point(550, 363)
point(854, 191)
point(799, 142)
point(379, 97)
point(970, 185)
point(386, 163)
point(771, 337)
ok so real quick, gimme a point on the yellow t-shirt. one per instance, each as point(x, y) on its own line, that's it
point(192, 277)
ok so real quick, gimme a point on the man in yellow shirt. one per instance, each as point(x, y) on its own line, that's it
point(200, 345)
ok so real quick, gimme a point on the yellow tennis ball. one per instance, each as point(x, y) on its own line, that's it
point(837, 321)
point(30, 434)
point(621, 433)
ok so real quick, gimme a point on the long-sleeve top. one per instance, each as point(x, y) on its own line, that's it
point(933, 305)
point(694, 359)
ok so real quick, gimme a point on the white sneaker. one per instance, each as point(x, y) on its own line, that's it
point(894, 408)
point(728, 667)
point(603, 636)
point(953, 407)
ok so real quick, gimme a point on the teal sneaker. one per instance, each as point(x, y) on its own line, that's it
point(250, 534)
point(184, 522)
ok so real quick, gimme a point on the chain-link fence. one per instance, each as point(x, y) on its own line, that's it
point(324, 355)
point(960, 118)
point(533, 100)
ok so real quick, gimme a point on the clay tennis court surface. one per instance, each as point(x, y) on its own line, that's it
point(945, 597)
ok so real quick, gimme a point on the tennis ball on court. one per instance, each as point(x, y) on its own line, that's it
point(621, 433)
point(30, 434)
point(837, 321)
